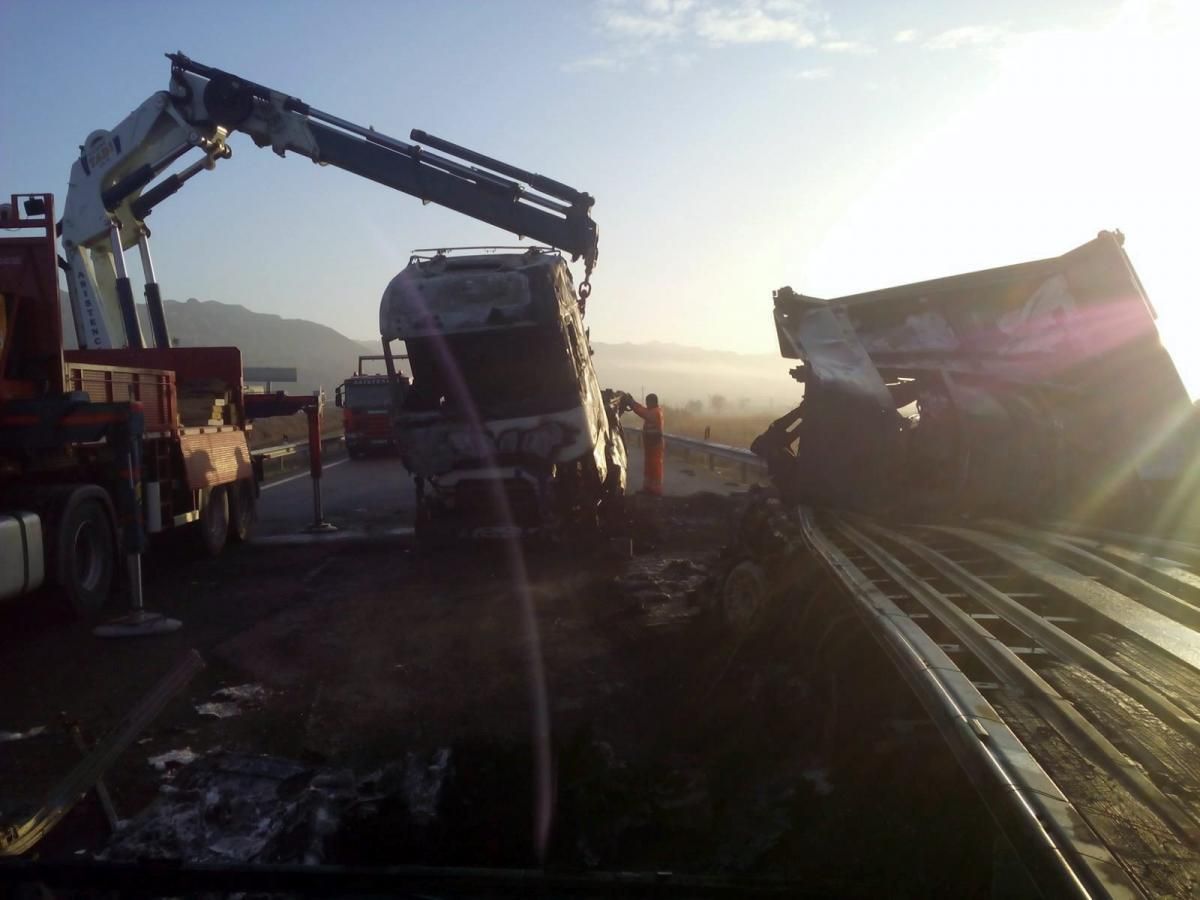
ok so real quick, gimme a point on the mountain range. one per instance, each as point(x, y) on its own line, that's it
point(323, 357)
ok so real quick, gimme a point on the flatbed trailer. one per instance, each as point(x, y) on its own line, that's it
point(189, 450)
point(100, 448)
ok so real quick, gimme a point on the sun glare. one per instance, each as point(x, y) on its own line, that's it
point(1179, 337)
point(1076, 130)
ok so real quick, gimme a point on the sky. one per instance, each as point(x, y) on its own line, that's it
point(732, 146)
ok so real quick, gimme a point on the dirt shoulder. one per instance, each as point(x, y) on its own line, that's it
point(673, 742)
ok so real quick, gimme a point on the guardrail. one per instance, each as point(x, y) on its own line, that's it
point(283, 452)
point(744, 459)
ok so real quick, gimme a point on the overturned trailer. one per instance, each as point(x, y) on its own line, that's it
point(994, 471)
point(1037, 389)
point(504, 425)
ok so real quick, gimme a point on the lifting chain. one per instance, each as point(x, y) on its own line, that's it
point(585, 287)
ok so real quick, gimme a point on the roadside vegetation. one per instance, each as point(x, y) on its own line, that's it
point(737, 429)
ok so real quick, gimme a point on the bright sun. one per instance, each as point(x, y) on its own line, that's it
point(1113, 105)
point(1074, 131)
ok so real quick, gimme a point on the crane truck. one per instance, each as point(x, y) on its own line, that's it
point(96, 444)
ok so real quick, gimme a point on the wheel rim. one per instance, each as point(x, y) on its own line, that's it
point(743, 594)
point(89, 564)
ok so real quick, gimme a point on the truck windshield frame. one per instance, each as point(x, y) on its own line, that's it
point(368, 394)
point(509, 373)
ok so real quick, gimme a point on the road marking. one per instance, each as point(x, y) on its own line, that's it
point(267, 487)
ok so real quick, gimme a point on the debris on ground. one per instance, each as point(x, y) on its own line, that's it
point(172, 759)
point(423, 780)
point(218, 710)
point(390, 725)
point(234, 807)
point(19, 837)
point(242, 693)
point(664, 589)
point(233, 701)
point(819, 778)
point(225, 807)
point(8, 736)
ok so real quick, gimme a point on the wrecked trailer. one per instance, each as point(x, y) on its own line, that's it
point(1033, 390)
point(993, 471)
point(504, 426)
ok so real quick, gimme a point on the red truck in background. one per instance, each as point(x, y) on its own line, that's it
point(366, 402)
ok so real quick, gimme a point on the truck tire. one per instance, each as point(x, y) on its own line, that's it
point(242, 510)
point(743, 595)
point(213, 526)
point(85, 550)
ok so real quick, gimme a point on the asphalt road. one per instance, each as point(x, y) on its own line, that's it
point(375, 496)
point(369, 495)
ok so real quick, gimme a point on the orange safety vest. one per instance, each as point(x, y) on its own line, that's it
point(652, 440)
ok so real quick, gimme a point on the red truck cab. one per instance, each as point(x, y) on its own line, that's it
point(366, 403)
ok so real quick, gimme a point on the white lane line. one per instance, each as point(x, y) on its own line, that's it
point(274, 484)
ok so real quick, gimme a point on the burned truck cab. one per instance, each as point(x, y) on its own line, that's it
point(504, 426)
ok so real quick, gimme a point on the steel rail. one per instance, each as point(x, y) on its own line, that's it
point(1054, 639)
point(1167, 574)
point(1184, 552)
point(1116, 577)
point(1163, 633)
point(1056, 710)
point(1064, 854)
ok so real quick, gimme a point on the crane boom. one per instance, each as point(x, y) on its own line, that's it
point(123, 174)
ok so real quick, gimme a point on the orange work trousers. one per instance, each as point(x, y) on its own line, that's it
point(652, 477)
point(653, 447)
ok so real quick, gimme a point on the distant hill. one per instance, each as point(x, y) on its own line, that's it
point(679, 374)
point(321, 356)
point(324, 357)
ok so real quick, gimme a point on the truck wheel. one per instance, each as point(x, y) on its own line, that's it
point(743, 595)
point(242, 510)
point(214, 521)
point(86, 551)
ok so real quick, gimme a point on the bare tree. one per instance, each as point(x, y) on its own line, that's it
point(717, 403)
point(695, 407)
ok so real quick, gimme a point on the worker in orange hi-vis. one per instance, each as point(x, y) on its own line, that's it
point(652, 443)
